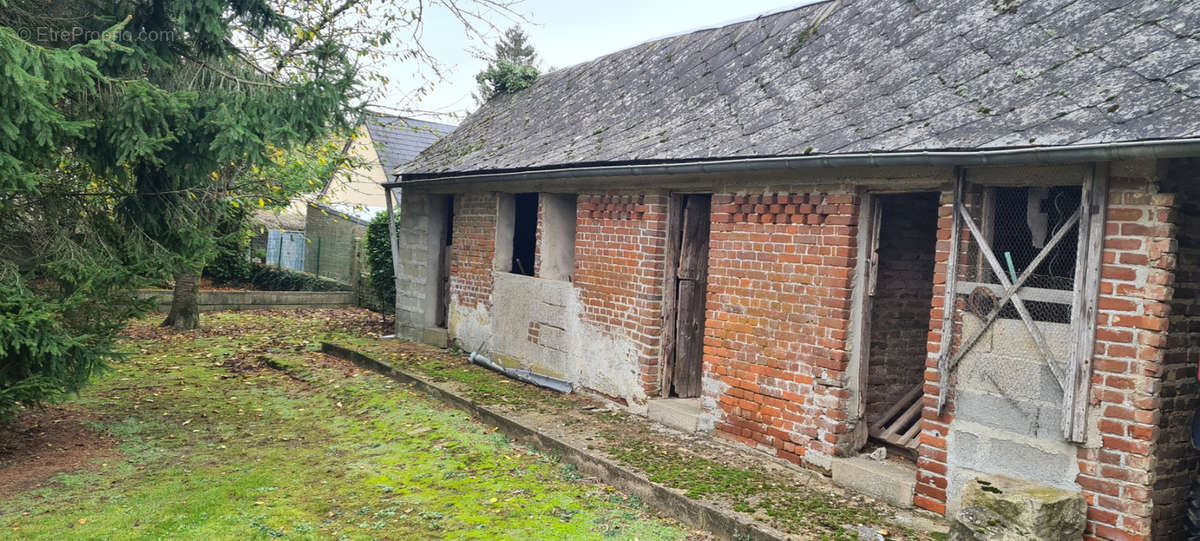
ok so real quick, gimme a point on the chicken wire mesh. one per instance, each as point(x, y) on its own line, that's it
point(1018, 225)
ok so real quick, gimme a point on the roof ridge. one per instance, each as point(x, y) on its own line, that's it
point(854, 76)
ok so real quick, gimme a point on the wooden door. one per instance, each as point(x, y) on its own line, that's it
point(691, 291)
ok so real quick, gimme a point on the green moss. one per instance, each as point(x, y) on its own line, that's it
point(751, 491)
point(479, 384)
point(793, 508)
point(220, 441)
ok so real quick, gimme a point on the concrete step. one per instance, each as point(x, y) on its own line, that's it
point(681, 413)
point(890, 482)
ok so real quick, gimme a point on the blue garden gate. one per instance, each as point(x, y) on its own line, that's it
point(285, 249)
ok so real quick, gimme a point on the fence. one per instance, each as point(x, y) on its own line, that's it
point(285, 249)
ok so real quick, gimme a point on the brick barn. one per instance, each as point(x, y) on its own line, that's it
point(968, 231)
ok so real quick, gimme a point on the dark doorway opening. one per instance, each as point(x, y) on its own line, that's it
point(525, 219)
point(687, 287)
point(443, 303)
point(899, 289)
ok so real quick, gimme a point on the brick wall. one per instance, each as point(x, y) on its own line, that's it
point(619, 270)
point(1117, 471)
point(900, 306)
point(473, 254)
point(931, 453)
point(1178, 463)
point(780, 274)
point(1127, 367)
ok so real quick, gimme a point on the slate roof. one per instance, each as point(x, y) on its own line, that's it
point(874, 75)
point(399, 139)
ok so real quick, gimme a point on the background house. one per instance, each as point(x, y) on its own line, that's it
point(322, 236)
point(796, 232)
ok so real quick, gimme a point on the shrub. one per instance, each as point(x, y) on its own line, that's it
point(230, 263)
point(506, 77)
point(510, 69)
point(378, 245)
point(269, 278)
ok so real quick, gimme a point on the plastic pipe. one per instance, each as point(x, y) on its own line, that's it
point(526, 376)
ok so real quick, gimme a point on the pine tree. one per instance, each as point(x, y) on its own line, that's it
point(511, 67)
point(130, 129)
point(514, 47)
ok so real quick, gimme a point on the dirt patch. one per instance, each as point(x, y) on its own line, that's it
point(39, 444)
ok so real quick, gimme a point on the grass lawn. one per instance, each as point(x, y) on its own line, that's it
point(242, 430)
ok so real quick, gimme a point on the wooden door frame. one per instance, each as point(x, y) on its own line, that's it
point(862, 301)
point(860, 315)
point(670, 267)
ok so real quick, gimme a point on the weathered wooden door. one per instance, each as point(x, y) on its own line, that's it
point(691, 288)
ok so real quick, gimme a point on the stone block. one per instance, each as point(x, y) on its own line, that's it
point(887, 481)
point(966, 448)
point(997, 411)
point(999, 508)
point(435, 337)
point(1014, 377)
point(681, 413)
point(1028, 462)
point(1012, 338)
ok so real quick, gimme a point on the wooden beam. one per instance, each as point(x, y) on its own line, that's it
point(1037, 294)
point(1009, 292)
point(392, 232)
point(876, 220)
point(988, 217)
point(986, 250)
point(861, 347)
point(908, 398)
point(1084, 308)
point(904, 421)
point(951, 297)
point(910, 439)
point(670, 293)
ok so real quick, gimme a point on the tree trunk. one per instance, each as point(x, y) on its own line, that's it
point(185, 302)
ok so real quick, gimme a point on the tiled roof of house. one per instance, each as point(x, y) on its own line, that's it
point(399, 139)
point(857, 76)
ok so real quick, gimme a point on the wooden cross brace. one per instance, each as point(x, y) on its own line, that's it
point(1010, 294)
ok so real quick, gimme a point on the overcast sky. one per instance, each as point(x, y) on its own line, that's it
point(564, 33)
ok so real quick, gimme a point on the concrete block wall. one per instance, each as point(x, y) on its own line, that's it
point(531, 318)
point(900, 306)
point(412, 278)
point(780, 275)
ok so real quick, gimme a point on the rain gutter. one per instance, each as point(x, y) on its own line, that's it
point(1102, 152)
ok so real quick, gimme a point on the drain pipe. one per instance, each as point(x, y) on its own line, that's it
point(527, 376)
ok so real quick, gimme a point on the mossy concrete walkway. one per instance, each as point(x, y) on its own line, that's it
point(730, 490)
